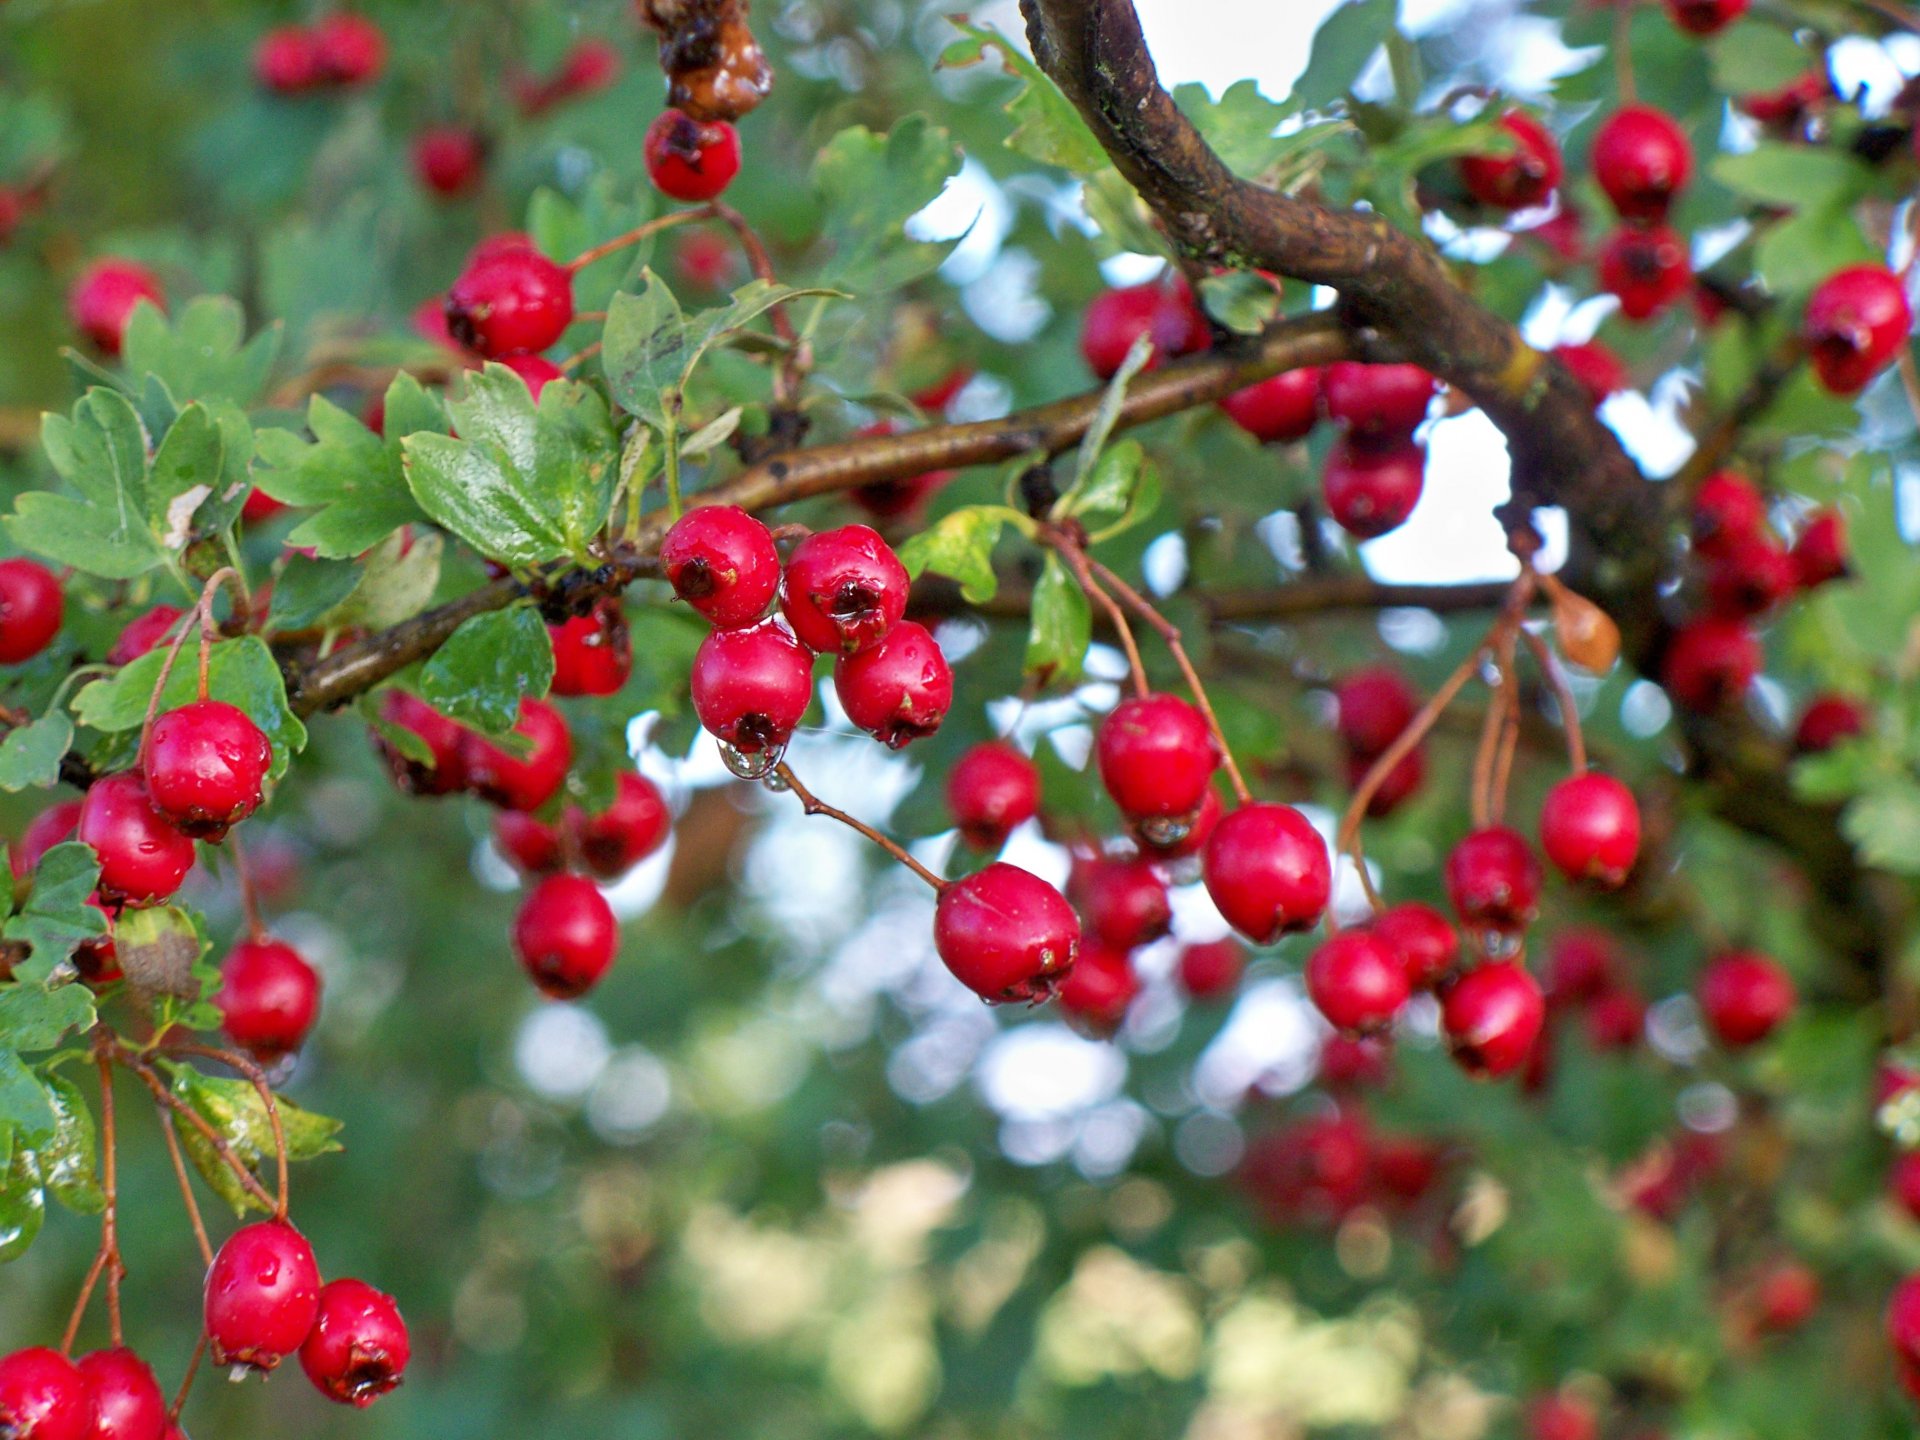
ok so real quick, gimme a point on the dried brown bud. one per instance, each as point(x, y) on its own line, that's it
point(1586, 633)
point(715, 69)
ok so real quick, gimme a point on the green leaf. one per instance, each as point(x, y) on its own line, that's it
point(1755, 57)
point(56, 916)
point(397, 580)
point(236, 1113)
point(1242, 301)
point(23, 1205)
point(31, 754)
point(1124, 483)
point(1795, 176)
point(1046, 126)
point(34, 1016)
point(101, 451)
point(870, 185)
point(1104, 419)
point(489, 665)
point(1062, 625)
point(352, 475)
point(1884, 824)
point(1239, 126)
point(307, 589)
point(187, 471)
point(960, 544)
point(199, 352)
point(1800, 251)
point(1345, 42)
point(23, 1099)
point(69, 1161)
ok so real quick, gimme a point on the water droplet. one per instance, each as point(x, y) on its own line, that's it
point(776, 782)
point(1166, 829)
point(756, 766)
point(239, 1374)
point(1499, 944)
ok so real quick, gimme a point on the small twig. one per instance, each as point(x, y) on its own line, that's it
point(1563, 697)
point(258, 1077)
point(186, 1186)
point(816, 806)
point(1077, 562)
point(580, 357)
point(636, 235)
point(158, 1088)
point(186, 1381)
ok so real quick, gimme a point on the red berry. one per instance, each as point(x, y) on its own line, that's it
point(992, 789)
point(1117, 318)
point(1006, 934)
point(1099, 988)
point(589, 67)
point(704, 260)
point(358, 1347)
point(1590, 829)
point(888, 498)
point(614, 840)
point(1561, 1417)
point(142, 634)
point(526, 781)
point(1375, 704)
point(263, 1293)
point(1405, 1169)
point(565, 935)
point(1357, 981)
point(1903, 1320)
point(750, 687)
point(269, 997)
point(1646, 267)
point(143, 858)
point(127, 1401)
point(1316, 1170)
point(691, 159)
point(1615, 1020)
point(1492, 1017)
point(1581, 965)
point(1786, 1297)
point(899, 690)
point(1705, 17)
point(1904, 1182)
point(1727, 511)
point(1820, 553)
point(1642, 160)
point(1493, 880)
point(1212, 970)
point(536, 370)
point(1856, 322)
point(1828, 720)
point(1787, 107)
point(1563, 234)
point(1745, 996)
point(102, 300)
point(205, 763)
point(533, 845)
point(446, 773)
point(1281, 407)
point(43, 1396)
point(1521, 179)
point(1398, 786)
point(1350, 1063)
point(1176, 841)
point(592, 653)
point(1124, 902)
point(32, 605)
point(1372, 488)
point(1710, 662)
point(1600, 372)
point(351, 48)
point(449, 159)
point(1751, 577)
point(1157, 756)
point(46, 830)
point(511, 300)
point(286, 60)
point(1420, 937)
point(721, 561)
point(843, 590)
point(1384, 402)
point(1268, 872)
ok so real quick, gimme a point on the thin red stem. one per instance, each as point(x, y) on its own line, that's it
point(816, 806)
point(186, 1381)
point(636, 235)
point(110, 1183)
point(258, 1077)
point(179, 1161)
point(1077, 562)
point(1563, 697)
point(158, 1088)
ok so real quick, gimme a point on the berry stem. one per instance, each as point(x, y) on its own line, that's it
point(636, 235)
point(1077, 562)
point(816, 806)
point(1623, 54)
point(259, 1078)
point(202, 612)
point(193, 1369)
point(1509, 732)
point(249, 900)
point(1563, 697)
point(186, 1186)
point(158, 1088)
point(580, 357)
point(110, 1184)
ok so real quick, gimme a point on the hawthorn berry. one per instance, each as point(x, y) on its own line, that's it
point(43, 1396)
point(1750, 577)
point(1903, 1328)
point(1349, 1062)
point(565, 935)
point(1371, 487)
point(1706, 17)
point(445, 772)
point(143, 858)
point(592, 653)
point(205, 763)
point(1522, 178)
point(1787, 108)
point(32, 605)
point(105, 296)
point(262, 1295)
point(721, 561)
point(843, 590)
point(750, 687)
point(1316, 1170)
point(1828, 720)
point(1582, 965)
point(589, 67)
point(97, 958)
point(1856, 322)
point(1157, 757)
point(704, 260)
point(142, 634)
point(533, 845)
point(1615, 1020)
point(1211, 970)
point(1098, 989)
point(1124, 902)
point(1785, 1298)
point(691, 159)
point(1267, 870)
point(351, 49)
point(1646, 268)
point(1374, 704)
point(46, 830)
point(1561, 1416)
point(1493, 880)
point(1421, 938)
point(1820, 551)
point(508, 300)
point(449, 159)
point(127, 1401)
point(1381, 402)
point(634, 825)
point(524, 781)
point(898, 690)
point(1396, 787)
point(1727, 511)
point(1601, 373)
point(1903, 1181)
point(358, 1347)
point(1745, 996)
point(1642, 160)
point(886, 499)
point(1405, 1169)
point(536, 370)
point(1710, 662)
point(991, 790)
point(269, 997)
point(1006, 934)
point(1357, 980)
point(1278, 408)
point(1491, 1018)
point(1590, 829)
point(286, 61)
point(1117, 318)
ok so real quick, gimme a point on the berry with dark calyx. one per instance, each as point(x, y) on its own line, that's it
point(1491, 1018)
point(1785, 1297)
point(1646, 268)
point(1562, 1416)
point(97, 958)
point(1006, 934)
point(1157, 757)
point(750, 687)
point(268, 999)
point(1751, 577)
point(1856, 322)
point(143, 858)
point(1124, 902)
point(592, 653)
point(1745, 996)
point(1820, 552)
point(526, 781)
point(1281, 407)
point(351, 49)
point(358, 1348)
point(1705, 17)
point(205, 763)
point(1385, 402)
point(843, 590)
point(1493, 880)
point(1590, 829)
point(1642, 160)
point(103, 300)
point(449, 159)
point(532, 845)
point(565, 935)
point(1615, 1020)
point(1097, 991)
point(1601, 373)
point(510, 300)
point(1827, 721)
point(127, 1401)
point(1268, 871)
point(614, 840)
point(142, 634)
point(43, 1396)
point(1357, 981)
point(1179, 841)
point(691, 159)
point(1582, 965)
point(46, 830)
point(1211, 970)
point(991, 790)
point(899, 690)
point(722, 562)
point(1372, 487)
point(286, 61)
point(1423, 940)
point(32, 605)
point(1521, 179)
point(1375, 704)
point(1396, 787)
point(446, 741)
point(1727, 512)
point(1710, 663)
point(1117, 318)
point(262, 1295)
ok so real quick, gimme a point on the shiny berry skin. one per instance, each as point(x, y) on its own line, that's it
point(1124, 902)
point(1157, 756)
point(1710, 662)
point(899, 690)
point(691, 159)
point(1705, 17)
point(1646, 268)
point(358, 1347)
point(536, 370)
point(32, 604)
point(449, 159)
point(751, 687)
point(1267, 870)
point(263, 1293)
point(1903, 1182)
point(46, 830)
point(286, 61)
point(565, 935)
point(1590, 829)
point(1385, 402)
point(205, 763)
point(1521, 179)
point(43, 1396)
point(1375, 703)
point(269, 997)
point(1562, 1417)
point(143, 858)
point(1727, 512)
point(521, 782)
point(1751, 577)
point(1399, 785)
point(127, 1401)
point(843, 590)
point(1745, 996)
point(1006, 934)
point(1281, 407)
point(1117, 318)
point(511, 300)
point(991, 790)
point(592, 653)
point(1356, 980)
point(1582, 965)
point(721, 561)
point(1211, 970)
point(1786, 1297)
point(1423, 940)
point(1491, 1018)
point(1826, 722)
point(103, 299)
point(614, 840)
point(1642, 160)
point(1601, 373)
point(1820, 552)
point(142, 634)
point(352, 50)
point(1493, 880)
point(1903, 1320)
point(1097, 991)
point(532, 845)
point(445, 738)
point(1371, 488)
point(1856, 322)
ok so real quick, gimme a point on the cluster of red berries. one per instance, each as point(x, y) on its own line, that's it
point(1322, 1168)
point(337, 52)
point(1643, 160)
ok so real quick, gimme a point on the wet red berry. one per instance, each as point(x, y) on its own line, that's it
point(1705, 17)
point(1493, 880)
point(992, 789)
point(286, 61)
point(43, 1396)
point(1642, 160)
point(1710, 663)
point(1357, 981)
point(1745, 996)
point(32, 605)
point(1211, 970)
point(103, 299)
point(1828, 720)
point(1375, 703)
point(205, 763)
point(1383, 402)
point(592, 653)
point(843, 590)
point(1425, 943)
point(1820, 552)
point(1524, 177)
point(750, 687)
point(1856, 322)
point(1117, 318)
point(1562, 1417)
point(1750, 577)
point(263, 1293)
point(511, 300)
point(565, 935)
point(1372, 487)
point(1590, 829)
point(1157, 756)
point(898, 690)
point(351, 49)
point(127, 1401)
point(269, 997)
point(721, 561)
point(358, 1348)
point(449, 159)
point(1267, 870)
point(614, 840)
point(533, 845)
point(445, 773)
point(1727, 512)
point(1124, 902)
point(691, 159)
point(1492, 1017)
point(521, 781)
point(46, 830)
point(143, 858)
point(1582, 965)
point(1281, 407)
point(1006, 934)
point(1099, 989)
point(1646, 267)
point(142, 634)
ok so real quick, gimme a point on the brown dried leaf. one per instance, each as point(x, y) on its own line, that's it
point(1586, 634)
